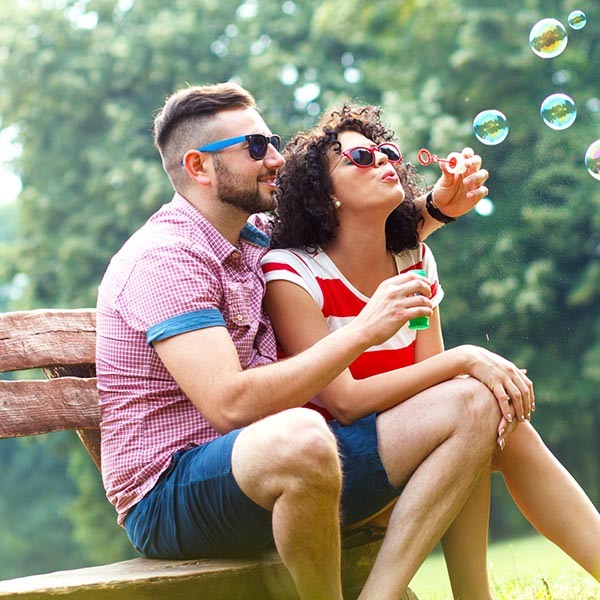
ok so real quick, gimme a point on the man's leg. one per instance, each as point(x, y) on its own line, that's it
point(464, 543)
point(288, 464)
point(435, 445)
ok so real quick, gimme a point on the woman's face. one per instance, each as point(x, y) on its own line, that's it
point(359, 189)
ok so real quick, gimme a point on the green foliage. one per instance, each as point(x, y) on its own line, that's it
point(110, 543)
point(33, 510)
point(81, 80)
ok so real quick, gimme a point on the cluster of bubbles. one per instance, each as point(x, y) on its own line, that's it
point(548, 38)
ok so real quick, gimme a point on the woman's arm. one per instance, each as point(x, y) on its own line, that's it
point(430, 342)
point(299, 324)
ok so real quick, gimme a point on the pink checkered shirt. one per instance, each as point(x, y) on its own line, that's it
point(175, 274)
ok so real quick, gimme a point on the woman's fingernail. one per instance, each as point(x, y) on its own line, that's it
point(509, 418)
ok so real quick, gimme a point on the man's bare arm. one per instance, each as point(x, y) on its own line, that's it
point(205, 362)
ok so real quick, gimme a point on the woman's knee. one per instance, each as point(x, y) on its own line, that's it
point(524, 440)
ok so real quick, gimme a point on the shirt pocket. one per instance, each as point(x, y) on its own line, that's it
point(238, 305)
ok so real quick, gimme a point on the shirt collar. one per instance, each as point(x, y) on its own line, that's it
point(250, 233)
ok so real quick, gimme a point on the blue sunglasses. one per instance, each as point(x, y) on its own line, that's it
point(258, 144)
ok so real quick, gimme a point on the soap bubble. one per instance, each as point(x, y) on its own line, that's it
point(485, 207)
point(558, 111)
point(548, 38)
point(490, 127)
point(592, 159)
point(577, 19)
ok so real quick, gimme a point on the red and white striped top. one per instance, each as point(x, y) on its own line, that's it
point(340, 302)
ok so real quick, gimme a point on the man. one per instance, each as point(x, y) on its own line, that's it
point(206, 450)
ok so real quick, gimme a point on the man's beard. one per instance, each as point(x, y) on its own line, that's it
point(239, 192)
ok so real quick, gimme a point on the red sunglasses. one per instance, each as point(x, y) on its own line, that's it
point(364, 157)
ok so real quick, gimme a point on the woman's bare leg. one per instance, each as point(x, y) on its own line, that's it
point(465, 545)
point(550, 498)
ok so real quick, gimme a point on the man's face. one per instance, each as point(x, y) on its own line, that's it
point(247, 191)
point(243, 181)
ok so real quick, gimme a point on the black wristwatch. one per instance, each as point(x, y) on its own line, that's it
point(435, 212)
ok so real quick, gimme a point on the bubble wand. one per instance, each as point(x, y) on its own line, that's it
point(455, 161)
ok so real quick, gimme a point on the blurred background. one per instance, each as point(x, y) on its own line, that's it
point(81, 80)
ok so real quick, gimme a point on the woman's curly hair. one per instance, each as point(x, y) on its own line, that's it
point(305, 216)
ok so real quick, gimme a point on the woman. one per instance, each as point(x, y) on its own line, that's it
point(347, 219)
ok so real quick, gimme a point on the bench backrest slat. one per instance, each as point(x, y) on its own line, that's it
point(63, 344)
point(42, 406)
point(43, 338)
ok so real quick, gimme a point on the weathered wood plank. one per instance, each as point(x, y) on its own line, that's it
point(38, 338)
point(214, 579)
point(41, 406)
point(155, 579)
point(91, 440)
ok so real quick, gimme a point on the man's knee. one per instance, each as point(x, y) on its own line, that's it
point(293, 451)
point(306, 440)
point(478, 405)
point(298, 441)
point(478, 398)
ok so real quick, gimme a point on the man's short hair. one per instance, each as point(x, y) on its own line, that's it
point(185, 119)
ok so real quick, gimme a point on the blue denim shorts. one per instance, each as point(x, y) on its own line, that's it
point(197, 509)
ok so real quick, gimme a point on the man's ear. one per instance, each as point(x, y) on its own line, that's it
point(198, 166)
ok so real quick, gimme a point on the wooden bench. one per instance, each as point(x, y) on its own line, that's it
point(62, 344)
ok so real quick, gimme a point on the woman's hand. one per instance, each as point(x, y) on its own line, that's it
point(456, 194)
point(396, 301)
point(511, 386)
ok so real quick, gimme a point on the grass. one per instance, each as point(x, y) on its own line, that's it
point(531, 568)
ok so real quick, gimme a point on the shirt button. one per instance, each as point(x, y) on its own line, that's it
point(239, 317)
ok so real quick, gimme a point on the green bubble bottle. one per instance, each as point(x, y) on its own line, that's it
point(419, 322)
